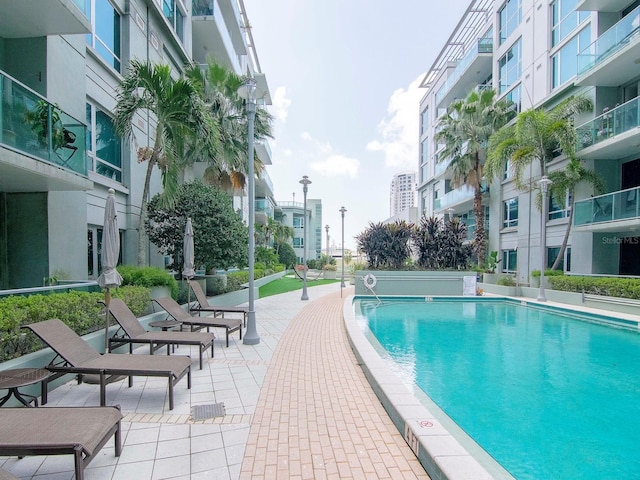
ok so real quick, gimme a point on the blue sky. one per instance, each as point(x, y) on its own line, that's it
point(343, 76)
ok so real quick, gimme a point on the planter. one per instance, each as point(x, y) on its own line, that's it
point(491, 278)
point(329, 274)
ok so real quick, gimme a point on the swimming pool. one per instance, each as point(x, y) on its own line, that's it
point(544, 393)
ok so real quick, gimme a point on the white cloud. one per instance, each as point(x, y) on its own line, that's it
point(330, 163)
point(398, 131)
point(281, 104)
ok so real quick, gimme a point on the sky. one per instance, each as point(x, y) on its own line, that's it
point(344, 80)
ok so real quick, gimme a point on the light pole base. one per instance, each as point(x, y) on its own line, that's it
point(541, 295)
point(251, 336)
point(304, 293)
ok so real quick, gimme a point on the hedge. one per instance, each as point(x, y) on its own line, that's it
point(605, 286)
point(79, 310)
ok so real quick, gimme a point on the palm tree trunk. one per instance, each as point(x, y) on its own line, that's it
point(565, 240)
point(142, 235)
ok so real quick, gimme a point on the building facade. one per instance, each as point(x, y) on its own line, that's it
point(59, 154)
point(402, 195)
point(536, 54)
point(292, 214)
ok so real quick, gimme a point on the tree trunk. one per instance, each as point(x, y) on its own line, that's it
point(565, 240)
point(142, 234)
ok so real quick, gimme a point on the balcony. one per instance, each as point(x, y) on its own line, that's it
point(617, 211)
point(40, 18)
point(44, 147)
point(264, 210)
point(470, 71)
point(602, 5)
point(263, 150)
point(264, 185)
point(610, 61)
point(610, 135)
point(212, 36)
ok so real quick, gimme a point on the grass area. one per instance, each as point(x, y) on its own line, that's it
point(285, 284)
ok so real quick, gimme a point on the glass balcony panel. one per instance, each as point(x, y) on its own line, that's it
point(39, 128)
point(621, 205)
point(202, 7)
point(612, 122)
point(611, 41)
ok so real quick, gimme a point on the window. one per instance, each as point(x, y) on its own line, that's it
point(510, 261)
point(510, 66)
point(552, 254)
point(298, 242)
point(105, 30)
point(510, 18)
point(515, 97)
point(563, 64)
point(510, 213)
point(298, 222)
point(94, 250)
point(424, 151)
point(424, 121)
point(556, 210)
point(104, 148)
point(175, 17)
point(508, 173)
point(564, 19)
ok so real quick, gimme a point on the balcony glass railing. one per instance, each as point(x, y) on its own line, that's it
point(31, 124)
point(264, 206)
point(613, 122)
point(484, 45)
point(202, 8)
point(621, 205)
point(611, 41)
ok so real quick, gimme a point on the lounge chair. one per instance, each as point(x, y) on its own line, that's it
point(77, 431)
point(204, 305)
point(174, 310)
point(76, 356)
point(131, 331)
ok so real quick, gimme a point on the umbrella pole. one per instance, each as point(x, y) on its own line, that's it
point(107, 301)
point(189, 294)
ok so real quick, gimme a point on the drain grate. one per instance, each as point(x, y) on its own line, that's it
point(202, 412)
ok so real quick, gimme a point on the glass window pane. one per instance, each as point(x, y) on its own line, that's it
point(107, 142)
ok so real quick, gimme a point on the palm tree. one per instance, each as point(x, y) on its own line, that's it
point(564, 184)
point(282, 233)
point(180, 118)
point(465, 130)
point(537, 135)
point(219, 88)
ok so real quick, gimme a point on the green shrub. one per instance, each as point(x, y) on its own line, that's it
point(148, 277)
point(547, 273)
point(606, 286)
point(79, 310)
point(279, 267)
point(506, 281)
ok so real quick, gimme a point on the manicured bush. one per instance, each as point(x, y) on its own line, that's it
point(547, 273)
point(148, 277)
point(79, 310)
point(606, 286)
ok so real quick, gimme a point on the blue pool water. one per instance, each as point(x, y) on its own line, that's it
point(546, 395)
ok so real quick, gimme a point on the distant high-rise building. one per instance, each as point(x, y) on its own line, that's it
point(403, 192)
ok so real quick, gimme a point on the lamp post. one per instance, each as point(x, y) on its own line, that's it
point(342, 285)
point(247, 91)
point(305, 188)
point(326, 229)
point(451, 211)
point(544, 185)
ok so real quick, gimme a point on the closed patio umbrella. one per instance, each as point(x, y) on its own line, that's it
point(109, 277)
point(188, 253)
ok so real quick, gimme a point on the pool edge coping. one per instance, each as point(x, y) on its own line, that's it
point(437, 449)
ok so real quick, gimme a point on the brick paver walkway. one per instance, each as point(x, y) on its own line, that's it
point(317, 416)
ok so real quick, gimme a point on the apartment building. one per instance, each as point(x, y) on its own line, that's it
point(293, 215)
point(66, 63)
point(402, 194)
point(537, 53)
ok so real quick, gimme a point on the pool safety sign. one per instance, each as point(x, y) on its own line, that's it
point(469, 285)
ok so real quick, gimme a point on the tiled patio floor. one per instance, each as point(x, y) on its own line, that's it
point(297, 406)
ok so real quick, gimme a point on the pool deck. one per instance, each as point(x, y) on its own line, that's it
point(297, 405)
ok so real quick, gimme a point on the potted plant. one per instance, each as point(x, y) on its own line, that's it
point(491, 263)
point(43, 115)
point(329, 271)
